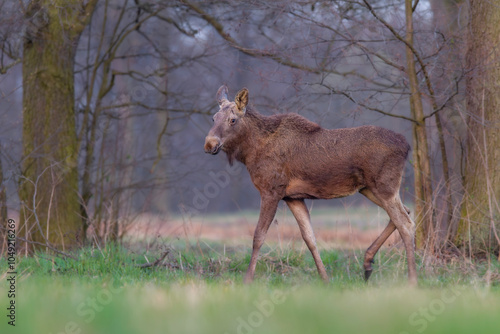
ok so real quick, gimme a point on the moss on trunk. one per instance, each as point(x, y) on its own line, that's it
point(49, 187)
point(480, 225)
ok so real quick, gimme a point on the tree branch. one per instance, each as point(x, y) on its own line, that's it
point(251, 52)
point(4, 69)
point(443, 105)
point(380, 111)
point(414, 7)
point(274, 56)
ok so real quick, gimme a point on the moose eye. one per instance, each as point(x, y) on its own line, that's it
point(232, 120)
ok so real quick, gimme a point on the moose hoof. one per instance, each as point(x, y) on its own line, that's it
point(368, 273)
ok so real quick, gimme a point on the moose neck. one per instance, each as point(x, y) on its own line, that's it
point(255, 127)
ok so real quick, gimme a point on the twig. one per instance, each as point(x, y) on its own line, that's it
point(353, 100)
point(4, 69)
point(157, 262)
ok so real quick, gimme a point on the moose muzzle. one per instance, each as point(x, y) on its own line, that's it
point(212, 144)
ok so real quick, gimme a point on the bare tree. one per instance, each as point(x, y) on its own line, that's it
point(127, 107)
point(49, 184)
point(423, 185)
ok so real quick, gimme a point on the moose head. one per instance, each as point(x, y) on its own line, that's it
point(226, 121)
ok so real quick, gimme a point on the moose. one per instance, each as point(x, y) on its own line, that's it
point(290, 158)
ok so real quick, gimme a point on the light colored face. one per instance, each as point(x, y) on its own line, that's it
point(226, 120)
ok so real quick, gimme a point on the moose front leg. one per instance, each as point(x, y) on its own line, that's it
point(268, 207)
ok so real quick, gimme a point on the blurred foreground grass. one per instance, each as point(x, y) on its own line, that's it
point(200, 291)
point(58, 306)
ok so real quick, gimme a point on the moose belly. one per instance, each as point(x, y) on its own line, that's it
point(298, 188)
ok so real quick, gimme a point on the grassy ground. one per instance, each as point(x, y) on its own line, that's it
point(199, 289)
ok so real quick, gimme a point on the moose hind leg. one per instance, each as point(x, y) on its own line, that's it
point(374, 247)
point(406, 227)
point(301, 214)
point(386, 233)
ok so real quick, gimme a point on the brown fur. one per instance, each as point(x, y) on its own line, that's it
point(291, 158)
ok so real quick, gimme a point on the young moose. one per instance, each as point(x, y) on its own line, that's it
point(290, 158)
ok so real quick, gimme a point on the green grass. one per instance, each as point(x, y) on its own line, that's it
point(200, 290)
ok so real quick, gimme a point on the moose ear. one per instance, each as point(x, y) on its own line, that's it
point(221, 94)
point(241, 100)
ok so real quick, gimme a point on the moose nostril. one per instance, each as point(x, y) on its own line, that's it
point(211, 144)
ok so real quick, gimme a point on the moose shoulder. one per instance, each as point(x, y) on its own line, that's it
point(291, 158)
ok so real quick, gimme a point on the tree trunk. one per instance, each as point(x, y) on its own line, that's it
point(423, 186)
point(446, 17)
point(481, 210)
point(49, 186)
